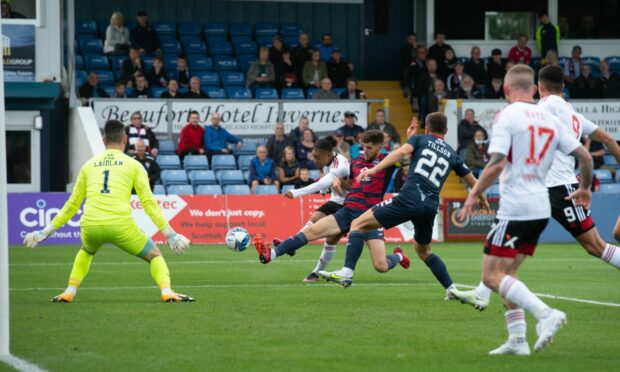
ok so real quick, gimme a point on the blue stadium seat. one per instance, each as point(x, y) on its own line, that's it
point(493, 190)
point(168, 162)
point(215, 92)
point(181, 190)
point(287, 188)
point(148, 61)
point(266, 93)
point(612, 188)
point(208, 190)
point(91, 46)
point(86, 27)
point(222, 162)
point(225, 63)
point(202, 177)
point(339, 91)
point(592, 61)
point(170, 47)
point(266, 190)
point(200, 62)
point(189, 28)
point(109, 90)
point(536, 63)
point(247, 148)
point(79, 62)
point(237, 190)
point(603, 175)
point(245, 160)
point(106, 77)
point(222, 47)
point(315, 174)
point(232, 78)
point(240, 29)
point(173, 176)
point(618, 175)
point(291, 41)
point(610, 160)
point(97, 62)
point(215, 39)
point(293, 93)
point(265, 29)
point(238, 93)
point(166, 147)
point(245, 61)
point(80, 77)
point(230, 177)
point(165, 28)
point(159, 190)
point(614, 63)
point(215, 29)
point(562, 61)
point(167, 38)
point(156, 92)
point(194, 47)
point(246, 175)
point(246, 47)
point(195, 162)
point(312, 92)
point(115, 62)
point(170, 61)
point(265, 41)
point(240, 38)
point(290, 29)
point(208, 78)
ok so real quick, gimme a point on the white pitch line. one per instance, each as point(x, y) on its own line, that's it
point(20, 364)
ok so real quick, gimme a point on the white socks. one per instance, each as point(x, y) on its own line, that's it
point(516, 292)
point(483, 291)
point(71, 289)
point(515, 322)
point(273, 254)
point(611, 255)
point(346, 272)
point(166, 291)
point(326, 257)
point(400, 256)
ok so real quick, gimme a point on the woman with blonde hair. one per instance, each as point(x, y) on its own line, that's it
point(116, 36)
point(288, 169)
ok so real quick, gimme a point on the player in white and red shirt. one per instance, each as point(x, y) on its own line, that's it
point(523, 144)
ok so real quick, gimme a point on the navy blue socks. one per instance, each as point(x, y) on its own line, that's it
point(439, 270)
point(291, 244)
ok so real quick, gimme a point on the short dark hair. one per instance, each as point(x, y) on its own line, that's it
point(373, 136)
point(182, 56)
point(326, 144)
point(543, 14)
point(140, 75)
point(194, 112)
point(552, 77)
point(439, 33)
point(412, 34)
point(326, 34)
point(352, 79)
point(522, 35)
point(380, 110)
point(113, 131)
point(437, 122)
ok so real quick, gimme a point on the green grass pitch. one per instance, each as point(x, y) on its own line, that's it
point(250, 316)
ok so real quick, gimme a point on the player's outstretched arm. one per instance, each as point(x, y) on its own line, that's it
point(583, 196)
point(72, 205)
point(391, 159)
point(323, 183)
point(608, 141)
point(490, 174)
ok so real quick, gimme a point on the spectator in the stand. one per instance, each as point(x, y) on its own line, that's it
point(445, 65)
point(195, 91)
point(424, 85)
point(285, 70)
point(181, 74)
point(7, 11)
point(261, 73)
point(355, 148)
point(147, 161)
point(438, 50)
point(143, 36)
point(326, 47)
point(468, 89)
point(141, 89)
point(436, 96)
point(352, 92)
point(156, 75)
point(304, 179)
point(262, 170)
point(303, 149)
point(298, 132)
point(586, 85)
point(137, 131)
point(408, 54)
point(277, 143)
point(547, 35)
point(597, 151)
point(496, 67)
point(338, 69)
point(454, 81)
point(326, 91)
point(477, 153)
point(350, 130)
point(417, 68)
point(467, 128)
point(131, 66)
point(116, 36)
point(520, 53)
point(288, 169)
point(217, 138)
point(301, 54)
point(91, 89)
point(191, 140)
point(120, 89)
point(342, 147)
point(495, 89)
point(388, 144)
point(609, 82)
point(173, 90)
point(314, 71)
point(551, 58)
point(380, 124)
point(572, 67)
point(476, 68)
point(276, 50)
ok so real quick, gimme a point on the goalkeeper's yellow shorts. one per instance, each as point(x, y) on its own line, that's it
point(127, 237)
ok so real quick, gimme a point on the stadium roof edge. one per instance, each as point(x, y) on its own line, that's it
point(22, 96)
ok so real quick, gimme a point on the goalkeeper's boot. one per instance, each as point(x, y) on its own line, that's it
point(514, 346)
point(176, 297)
point(406, 262)
point(547, 327)
point(470, 298)
point(64, 297)
point(336, 278)
point(312, 278)
point(264, 252)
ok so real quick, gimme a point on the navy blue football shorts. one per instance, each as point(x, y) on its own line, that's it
point(394, 211)
point(345, 216)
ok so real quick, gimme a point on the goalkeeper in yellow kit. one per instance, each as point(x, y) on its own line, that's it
point(106, 181)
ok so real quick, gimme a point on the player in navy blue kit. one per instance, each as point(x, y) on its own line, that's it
point(431, 160)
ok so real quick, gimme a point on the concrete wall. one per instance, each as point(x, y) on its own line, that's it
point(85, 139)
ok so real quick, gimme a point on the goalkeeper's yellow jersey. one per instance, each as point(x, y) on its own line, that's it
point(106, 181)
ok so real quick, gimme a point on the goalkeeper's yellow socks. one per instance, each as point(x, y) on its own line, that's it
point(81, 264)
point(160, 274)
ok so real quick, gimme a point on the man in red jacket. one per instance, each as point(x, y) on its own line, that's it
point(191, 139)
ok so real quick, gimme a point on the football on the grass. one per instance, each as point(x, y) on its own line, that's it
point(237, 239)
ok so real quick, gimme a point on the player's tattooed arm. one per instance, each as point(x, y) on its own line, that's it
point(585, 166)
point(496, 158)
point(490, 174)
